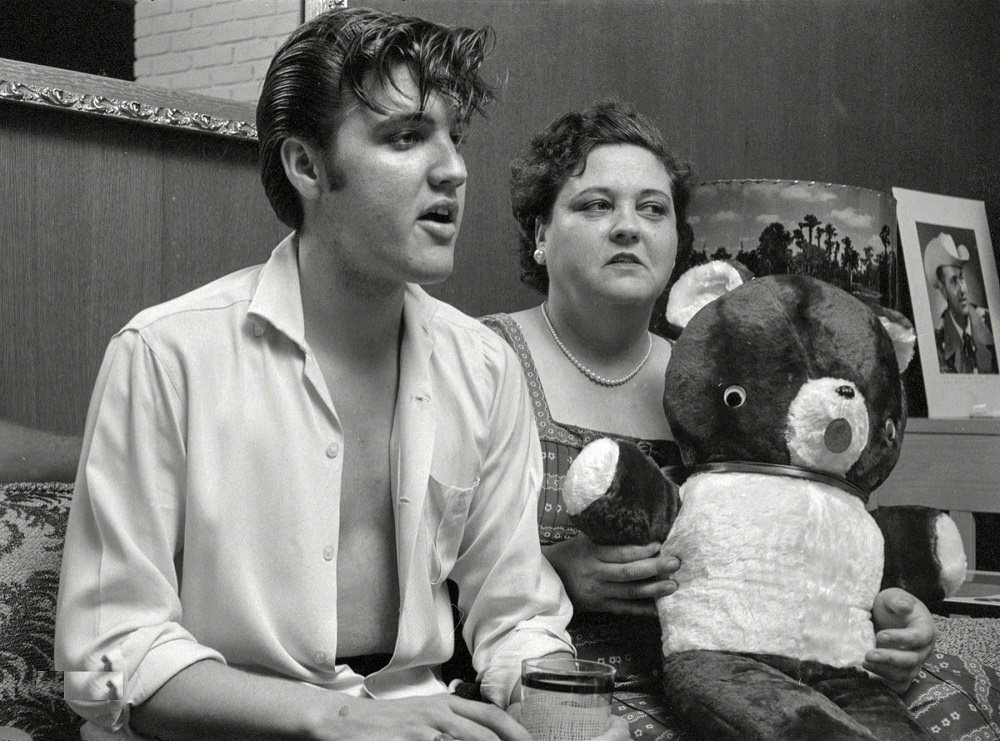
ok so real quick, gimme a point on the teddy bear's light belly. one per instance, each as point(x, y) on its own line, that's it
point(771, 564)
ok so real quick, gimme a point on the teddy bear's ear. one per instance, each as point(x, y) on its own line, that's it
point(701, 285)
point(901, 332)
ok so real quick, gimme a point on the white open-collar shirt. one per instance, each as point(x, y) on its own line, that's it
point(204, 523)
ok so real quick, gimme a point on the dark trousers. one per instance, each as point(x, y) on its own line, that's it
point(719, 695)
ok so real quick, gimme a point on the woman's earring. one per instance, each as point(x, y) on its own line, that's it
point(539, 256)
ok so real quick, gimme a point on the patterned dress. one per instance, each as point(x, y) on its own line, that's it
point(953, 698)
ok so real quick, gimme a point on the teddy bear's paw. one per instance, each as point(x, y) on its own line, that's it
point(950, 554)
point(590, 475)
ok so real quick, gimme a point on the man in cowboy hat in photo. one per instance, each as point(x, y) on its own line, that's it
point(963, 336)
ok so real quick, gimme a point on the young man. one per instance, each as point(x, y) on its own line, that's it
point(281, 469)
point(963, 334)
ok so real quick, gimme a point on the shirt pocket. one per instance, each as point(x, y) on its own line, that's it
point(446, 513)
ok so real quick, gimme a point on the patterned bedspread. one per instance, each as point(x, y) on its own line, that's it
point(963, 704)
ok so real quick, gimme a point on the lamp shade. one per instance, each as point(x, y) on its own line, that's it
point(842, 234)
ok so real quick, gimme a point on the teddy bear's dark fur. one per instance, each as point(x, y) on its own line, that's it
point(771, 335)
point(740, 365)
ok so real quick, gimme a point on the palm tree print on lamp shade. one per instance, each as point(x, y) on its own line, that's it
point(842, 234)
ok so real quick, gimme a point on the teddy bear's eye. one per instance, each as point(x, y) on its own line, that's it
point(734, 396)
point(890, 430)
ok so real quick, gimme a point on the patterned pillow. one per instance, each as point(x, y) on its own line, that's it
point(32, 527)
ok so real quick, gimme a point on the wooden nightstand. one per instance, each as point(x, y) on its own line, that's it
point(951, 464)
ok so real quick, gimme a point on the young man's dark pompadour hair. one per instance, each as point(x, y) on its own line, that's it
point(342, 52)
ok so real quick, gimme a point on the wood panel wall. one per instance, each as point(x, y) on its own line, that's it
point(101, 218)
point(875, 93)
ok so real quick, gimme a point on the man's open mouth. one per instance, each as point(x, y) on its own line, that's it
point(442, 213)
point(624, 258)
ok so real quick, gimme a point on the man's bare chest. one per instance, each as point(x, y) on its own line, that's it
point(368, 586)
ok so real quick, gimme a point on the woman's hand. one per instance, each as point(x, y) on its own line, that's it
point(904, 638)
point(617, 731)
point(623, 579)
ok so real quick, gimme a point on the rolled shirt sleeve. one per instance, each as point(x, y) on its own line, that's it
point(118, 632)
point(514, 603)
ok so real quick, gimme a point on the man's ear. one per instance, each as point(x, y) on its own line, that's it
point(303, 165)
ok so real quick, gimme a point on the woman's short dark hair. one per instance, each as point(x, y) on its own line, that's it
point(344, 51)
point(560, 151)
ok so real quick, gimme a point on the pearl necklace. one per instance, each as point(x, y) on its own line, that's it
point(600, 380)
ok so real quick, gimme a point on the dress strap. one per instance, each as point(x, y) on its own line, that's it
point(505, 326)
point(664, 452)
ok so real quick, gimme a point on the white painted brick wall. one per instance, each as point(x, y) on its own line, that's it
point(212, 47)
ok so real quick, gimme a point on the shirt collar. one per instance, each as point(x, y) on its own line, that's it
point(277, 299)
point(418, 309)
point(958, 328)
point(952, 340)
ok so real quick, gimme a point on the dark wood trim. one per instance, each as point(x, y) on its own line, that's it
point(33, 84)
point(972, 426)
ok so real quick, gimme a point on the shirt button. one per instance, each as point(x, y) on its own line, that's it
point(328, 553)
point(332, 450)
point(320, 657)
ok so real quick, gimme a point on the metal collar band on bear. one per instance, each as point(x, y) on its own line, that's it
point(778, 469)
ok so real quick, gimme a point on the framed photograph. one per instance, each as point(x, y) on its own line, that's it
point(311, 8)
point(952, 275)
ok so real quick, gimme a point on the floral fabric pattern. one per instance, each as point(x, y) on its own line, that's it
point(32, 527)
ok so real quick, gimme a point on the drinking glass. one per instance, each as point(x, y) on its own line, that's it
point(566, 699)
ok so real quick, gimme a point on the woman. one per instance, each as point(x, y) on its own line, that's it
point(601, 207)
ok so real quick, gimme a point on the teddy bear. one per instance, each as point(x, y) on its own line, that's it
point(784, 395)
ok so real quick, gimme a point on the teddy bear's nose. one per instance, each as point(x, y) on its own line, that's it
point(846, 391)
